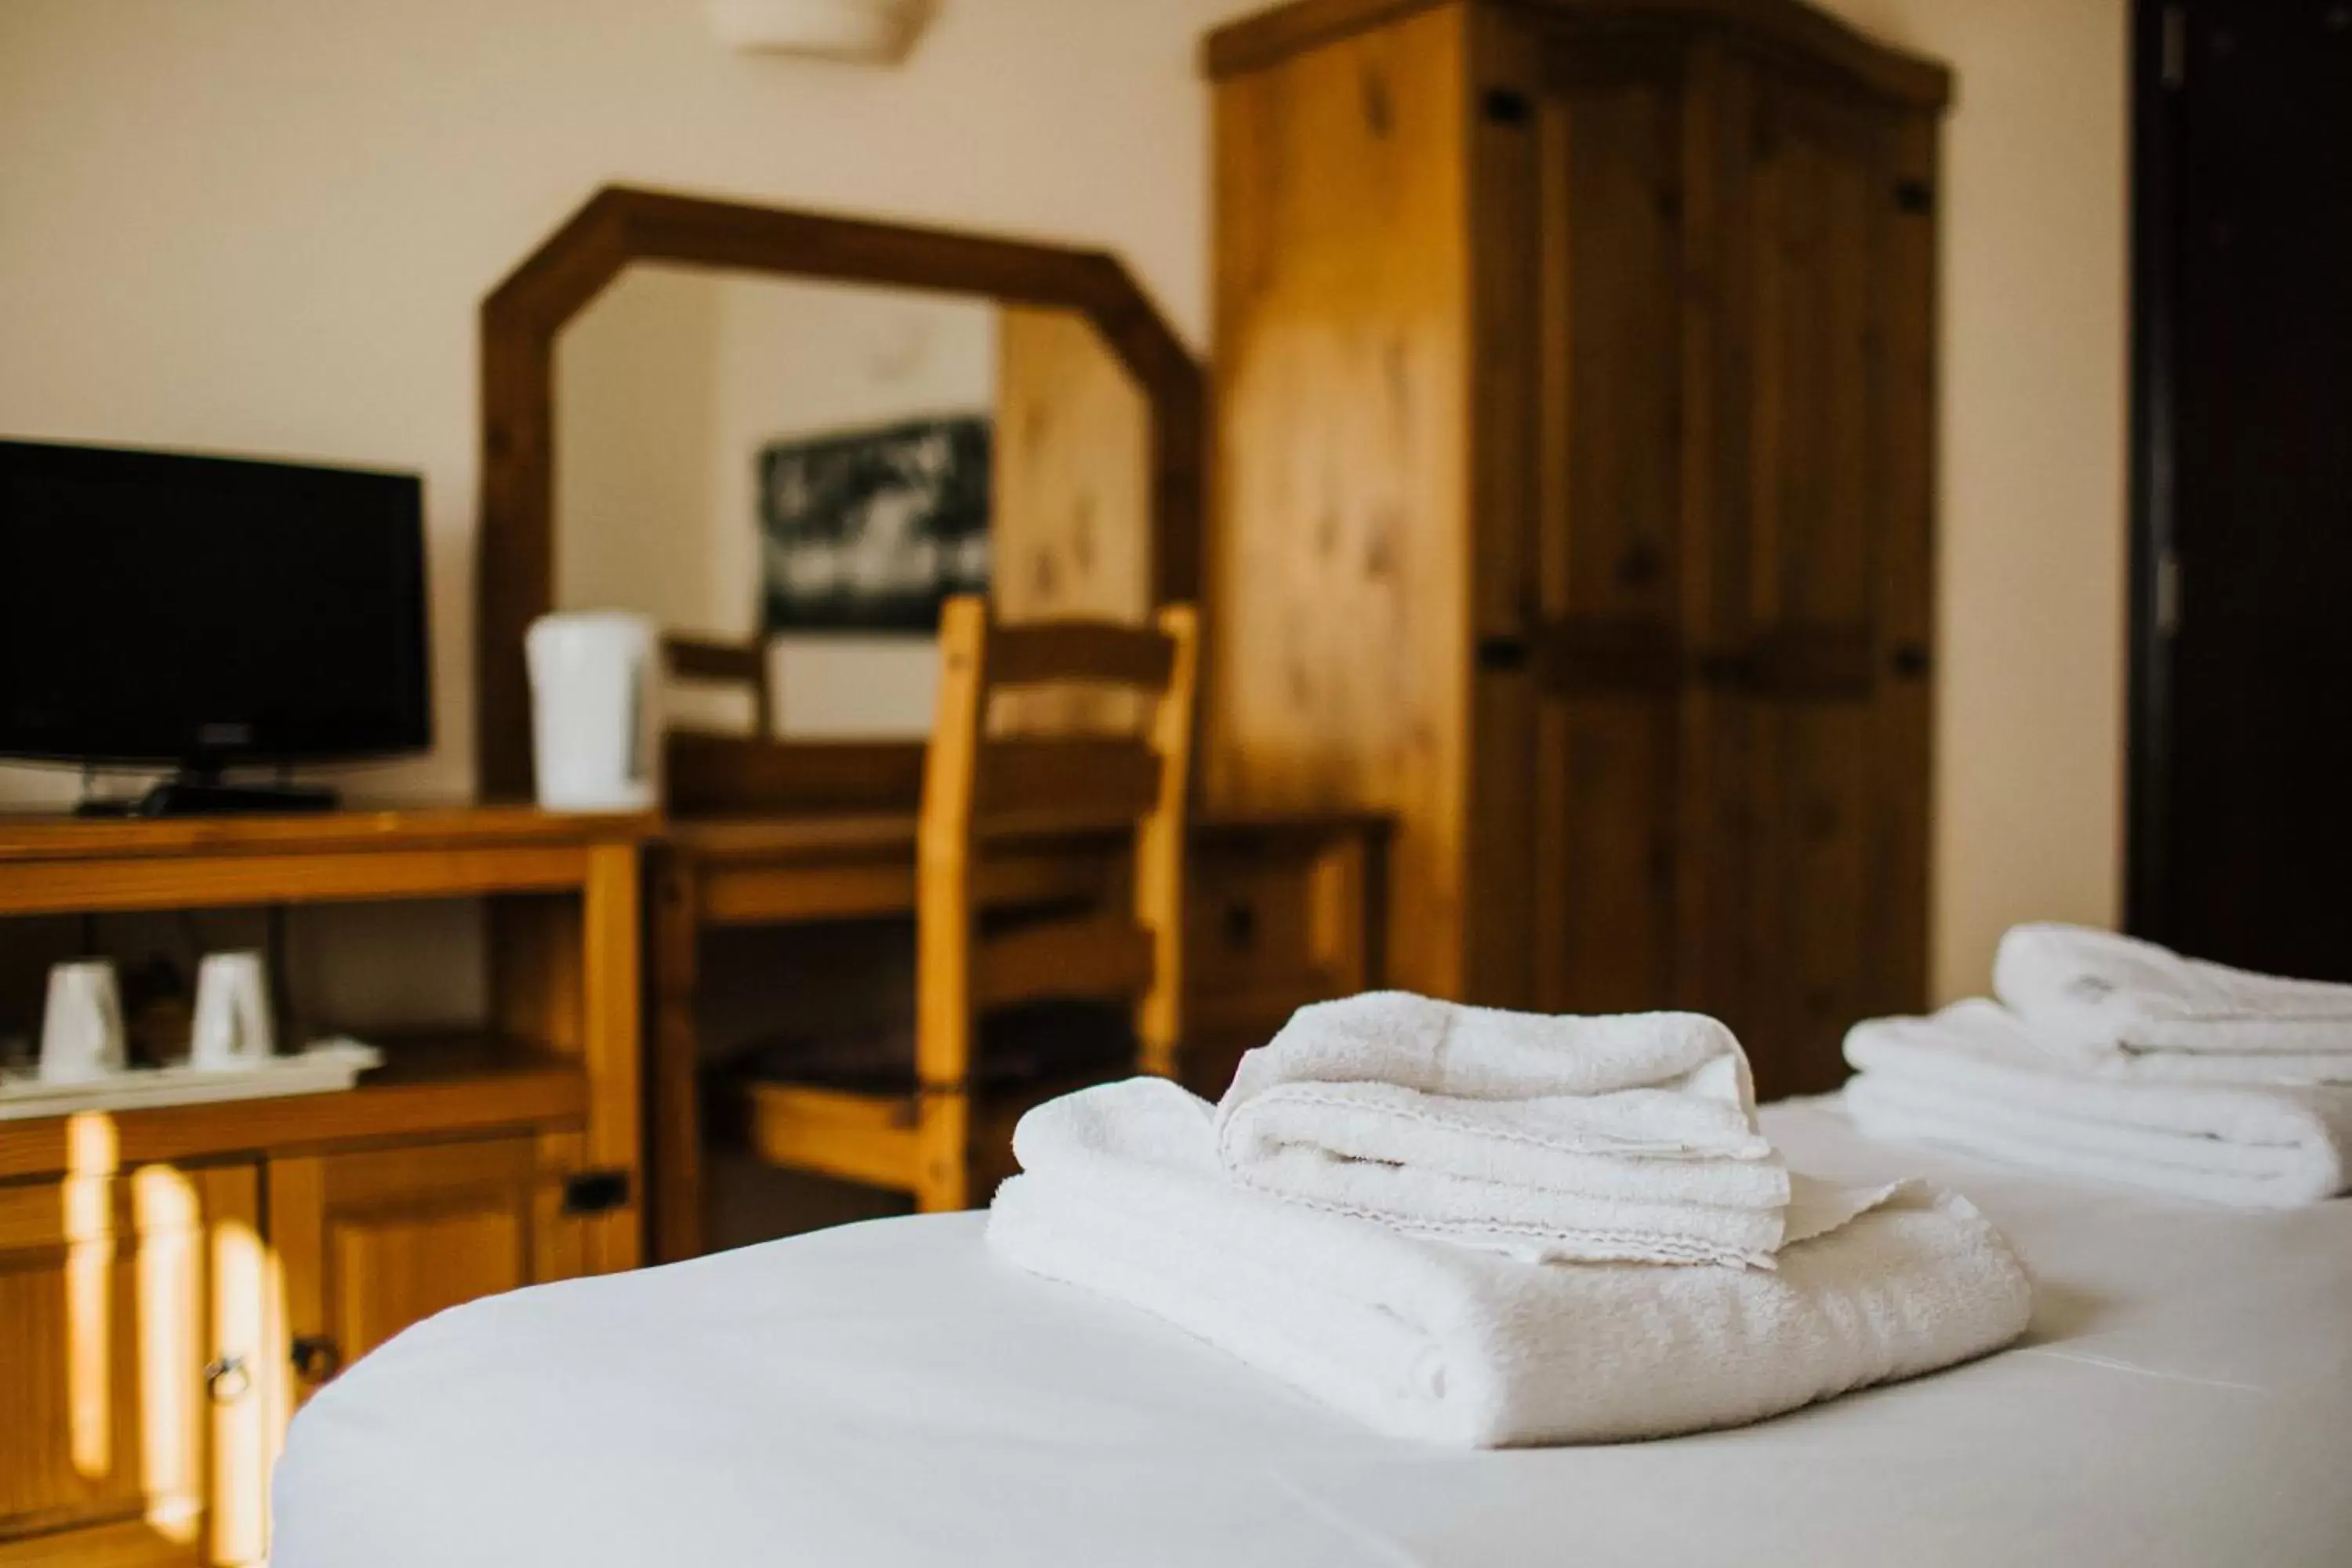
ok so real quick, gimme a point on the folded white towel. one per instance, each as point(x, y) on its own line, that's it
point(1122, 1195)
point(2099, 993)
point(1627, 1138)
point(1974, 1075)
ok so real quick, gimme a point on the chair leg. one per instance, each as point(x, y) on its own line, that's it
point(674, 1157)
point(944, 1151)
point(1158, 1058)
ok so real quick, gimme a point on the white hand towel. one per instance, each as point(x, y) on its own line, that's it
point(1976, 1076)
point(2098, 994)
point(1121, 1195)
point(1628, 1138)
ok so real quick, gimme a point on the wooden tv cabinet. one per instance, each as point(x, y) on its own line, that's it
point(173, 1282)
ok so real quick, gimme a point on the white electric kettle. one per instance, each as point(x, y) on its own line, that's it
point(595, 733)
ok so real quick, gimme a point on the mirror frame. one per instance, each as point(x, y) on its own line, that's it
point(622, 225)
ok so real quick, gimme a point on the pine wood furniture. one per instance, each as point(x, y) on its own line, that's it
point(174, 1281)
point(1574, 403)
point(925, 1143)
point(743, 665)
point(1278, 911)
point(1097, 491)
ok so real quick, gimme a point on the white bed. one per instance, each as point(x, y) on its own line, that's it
point(890, 1394)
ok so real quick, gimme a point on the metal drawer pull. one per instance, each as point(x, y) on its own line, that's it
point(227, 1379)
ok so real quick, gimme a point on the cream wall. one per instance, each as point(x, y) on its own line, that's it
point(637, 400)
point(262, 226)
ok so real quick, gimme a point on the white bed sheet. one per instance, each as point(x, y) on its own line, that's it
point(890, 1394)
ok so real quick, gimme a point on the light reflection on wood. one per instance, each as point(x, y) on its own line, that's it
point(243, 1270)
point(90, 1155)
point(168, 1219)
point(1070, 511)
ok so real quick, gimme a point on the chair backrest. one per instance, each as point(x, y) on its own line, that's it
point(735, 664)
point(977, 784)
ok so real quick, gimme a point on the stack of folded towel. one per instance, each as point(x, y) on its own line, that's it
point(1625, 1139)
point(2117, 1001)
point(1489, 1229)
point(2115, 1058)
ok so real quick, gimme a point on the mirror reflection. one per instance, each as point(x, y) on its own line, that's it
point(792, 474)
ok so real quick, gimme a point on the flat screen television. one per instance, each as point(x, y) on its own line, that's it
point(208, 612)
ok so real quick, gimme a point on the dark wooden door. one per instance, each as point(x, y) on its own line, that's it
point(1810, 697)
point(1605, 581)
point(2240, 844)
point(1787, 652)
point(1729, 590)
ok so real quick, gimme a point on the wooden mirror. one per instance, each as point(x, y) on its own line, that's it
point(1073, 335)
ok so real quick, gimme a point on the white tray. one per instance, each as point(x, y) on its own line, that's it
point(325, 1067)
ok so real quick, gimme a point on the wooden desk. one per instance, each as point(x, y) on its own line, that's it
point(218, 1262)
point(1279, 915)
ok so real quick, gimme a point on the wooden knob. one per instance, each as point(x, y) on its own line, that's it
point(317, 1358)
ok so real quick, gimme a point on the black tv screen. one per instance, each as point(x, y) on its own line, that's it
point(166, 608)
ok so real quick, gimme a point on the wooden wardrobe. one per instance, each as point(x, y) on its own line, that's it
point(1573, 491)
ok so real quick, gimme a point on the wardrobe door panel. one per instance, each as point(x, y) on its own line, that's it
point(1903, 416)
point(1814, 195)
point(1605, 774)
point(1801, 656)
point(1605, 571)
point(1610, 198)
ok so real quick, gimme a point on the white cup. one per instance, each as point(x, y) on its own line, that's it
point(81, 1027)
point(595, 734)
point(232, 1023)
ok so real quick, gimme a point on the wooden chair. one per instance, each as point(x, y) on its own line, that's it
point(745, 664)
point(981, 787)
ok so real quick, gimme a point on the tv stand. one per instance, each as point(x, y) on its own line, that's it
point(197, 792)
point(295, 1235)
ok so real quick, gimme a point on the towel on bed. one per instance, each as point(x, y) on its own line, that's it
point(1625, 1138)
point(1975, 1076)
point(2102, 996)
point(1121, 1195)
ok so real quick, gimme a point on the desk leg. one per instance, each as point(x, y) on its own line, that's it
point(612, 934)
point(677, 1121)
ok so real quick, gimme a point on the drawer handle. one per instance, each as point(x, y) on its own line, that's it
point(1502, 654)
point(317, 1357)
point(227, 1379)
point(595, 1192)
point(1240, 927)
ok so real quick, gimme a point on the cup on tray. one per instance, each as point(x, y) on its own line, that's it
point(81, 1026)
point(232, 1030)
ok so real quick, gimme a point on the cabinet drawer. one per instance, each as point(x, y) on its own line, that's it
point(1275, 917)
point(373, 1240)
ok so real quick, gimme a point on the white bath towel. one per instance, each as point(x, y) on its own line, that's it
point(1121, 1195)
point(2101, 994)
point(1625, 1138)
point(1975, 1077)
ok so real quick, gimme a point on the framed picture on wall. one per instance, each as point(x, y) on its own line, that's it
point(869, 530)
